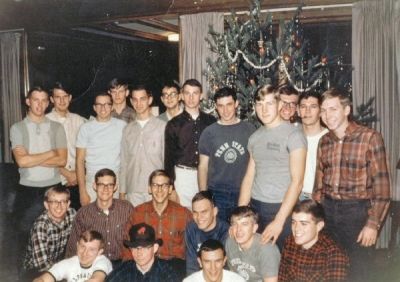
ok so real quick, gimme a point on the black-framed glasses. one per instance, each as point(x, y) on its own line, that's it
point(105, 185)
point(170, 95)
point(158, 186)
point(58, 203)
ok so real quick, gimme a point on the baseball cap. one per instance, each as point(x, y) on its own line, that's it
point(142, 235)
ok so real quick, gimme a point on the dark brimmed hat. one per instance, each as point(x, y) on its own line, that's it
point(142, 235)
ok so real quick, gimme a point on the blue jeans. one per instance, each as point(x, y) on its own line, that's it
point(266, 214)
point(344, 220)
point(226, 201)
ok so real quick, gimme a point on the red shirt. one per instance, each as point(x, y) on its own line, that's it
point(170, 227)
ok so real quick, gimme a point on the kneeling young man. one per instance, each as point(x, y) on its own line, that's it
point(309, 254)
point(247, 256)
point(212, 259)
point(146, 266)
point(88, 265)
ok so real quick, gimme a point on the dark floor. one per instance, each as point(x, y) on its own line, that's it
point(386, 263)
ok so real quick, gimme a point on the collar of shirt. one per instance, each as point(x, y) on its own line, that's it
point(111, 208)
point(349, 133)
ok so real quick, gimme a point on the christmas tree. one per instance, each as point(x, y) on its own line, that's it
point(255, 51)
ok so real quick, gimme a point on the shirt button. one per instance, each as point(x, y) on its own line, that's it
point(336, 184)
point(340, 141)
point(196, 132)
point(196, 153)
point(108, 243)
point(108, 231)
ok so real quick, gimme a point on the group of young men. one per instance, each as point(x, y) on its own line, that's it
point(161, 197)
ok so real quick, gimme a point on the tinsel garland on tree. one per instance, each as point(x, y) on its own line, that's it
point(250, 54)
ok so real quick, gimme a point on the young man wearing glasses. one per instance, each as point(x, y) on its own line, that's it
point(50, 231)
point(289, 98)
point(142, 149)
point(98, 145)
point(171, 99)
point(167, 217)
point(106, 215)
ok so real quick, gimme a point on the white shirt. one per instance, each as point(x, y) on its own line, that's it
point(227, 276)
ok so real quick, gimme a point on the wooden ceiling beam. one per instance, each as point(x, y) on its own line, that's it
point(159, 24)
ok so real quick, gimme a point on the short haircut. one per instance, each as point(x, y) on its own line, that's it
point(105, 172)
point(103, 93)
point(36, 88)
point(117, 82)
point(194, 83)
point(265, 90)
point(308, 94)
point(172, 84)
point(225, 92)
point(159, 172)
point(310, 207)
point(59, 86)
point(209, 246)
point(203, 195)
point(58, 189)
point(91, 235)
point(335, 93)
point(287, 90)
point(244, 211)
point(140, 88)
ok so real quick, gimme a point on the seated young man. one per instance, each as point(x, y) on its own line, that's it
point(309, 254)
point(88, 265)
point(143, 246)
point(205, 225)
point(168, 218)
point(247, 256)
point(212, 259)
point(50, 232)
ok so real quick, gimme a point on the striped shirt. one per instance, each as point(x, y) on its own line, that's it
point(324, 261)
point(354, 168)
point(47, 241)
point(110, 226)
point(170, 227)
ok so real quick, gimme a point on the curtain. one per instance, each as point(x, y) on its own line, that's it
point(375, 57)
point(11, 111)
point(194, 47)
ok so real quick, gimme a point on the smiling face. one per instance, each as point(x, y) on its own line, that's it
point(160, 189)
point(37, 103)
point(105, 187)
point(61, 100)
point(267, 110)
point(309, 111)
point(305, 229)
point(102, 107)
point(212, 263)
point(335, 115)
point(289, 105)
point(170, 97)
point(88, 251)
point(243, 230)
point(226, 108)
point(205, 214)
point(57, 205)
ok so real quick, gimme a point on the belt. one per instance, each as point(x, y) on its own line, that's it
point(186, 167)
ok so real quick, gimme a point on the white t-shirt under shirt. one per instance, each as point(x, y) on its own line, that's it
point(227, 276)
point(311, 162)
point(71, 270)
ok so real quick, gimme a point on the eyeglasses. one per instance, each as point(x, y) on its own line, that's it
point(158, 186)
point(170, 95)
point(58, 203)
point(291, 105)
point(106, 105)
point(105, 185)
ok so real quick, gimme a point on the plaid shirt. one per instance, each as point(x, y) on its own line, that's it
point(324, 261)
point(110, 226)
point(128, 114)
point(354, 167)
point(47, 241)
point(170, 227)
